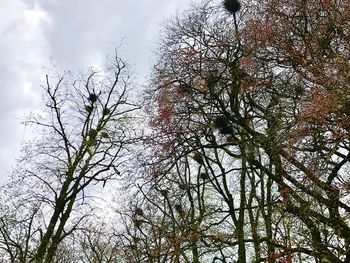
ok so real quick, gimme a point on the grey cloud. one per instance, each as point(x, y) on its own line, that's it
point(84, 31)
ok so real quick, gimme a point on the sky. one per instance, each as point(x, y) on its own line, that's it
point(37, 35)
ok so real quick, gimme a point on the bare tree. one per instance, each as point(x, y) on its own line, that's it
point(85, 131)
point(251, 103)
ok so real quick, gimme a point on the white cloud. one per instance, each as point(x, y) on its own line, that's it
point(24, 51)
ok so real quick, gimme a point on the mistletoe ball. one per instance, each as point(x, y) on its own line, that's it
point(232, 6)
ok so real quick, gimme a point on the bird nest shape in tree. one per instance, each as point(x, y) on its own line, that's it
point(232, 6)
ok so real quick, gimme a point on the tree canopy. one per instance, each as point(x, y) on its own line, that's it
point(245, 156)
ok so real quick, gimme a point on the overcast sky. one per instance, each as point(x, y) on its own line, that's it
point(71, 34)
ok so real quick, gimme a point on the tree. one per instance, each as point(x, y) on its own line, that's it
point(85, 133)
point(256, 103)
point(98, 244)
